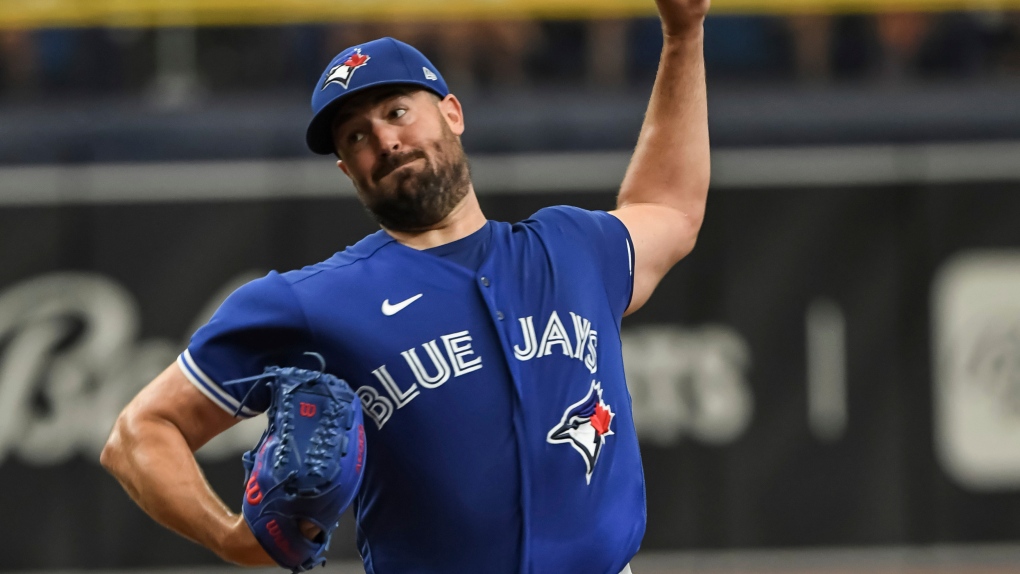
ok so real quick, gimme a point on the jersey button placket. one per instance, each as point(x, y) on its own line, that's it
point(489, 296)
point(485, 283)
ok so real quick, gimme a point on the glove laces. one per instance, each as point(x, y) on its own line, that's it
point(324, 439)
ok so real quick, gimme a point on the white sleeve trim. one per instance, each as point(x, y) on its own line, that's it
point(210, 388)
point(630, 257)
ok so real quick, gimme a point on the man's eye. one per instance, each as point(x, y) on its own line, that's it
point(399, 112)
point(355, 137)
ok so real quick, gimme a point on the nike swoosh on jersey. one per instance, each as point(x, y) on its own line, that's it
point(388, 309)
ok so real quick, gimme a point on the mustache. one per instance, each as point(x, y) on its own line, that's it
point(394, 161)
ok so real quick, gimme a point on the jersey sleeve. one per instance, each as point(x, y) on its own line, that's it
point(258, 325)
point(605, 239)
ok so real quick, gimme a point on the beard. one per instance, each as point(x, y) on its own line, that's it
point(415, 200)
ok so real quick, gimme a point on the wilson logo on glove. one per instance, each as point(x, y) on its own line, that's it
point(303, 471)
point(252, 492)
point(276, 532)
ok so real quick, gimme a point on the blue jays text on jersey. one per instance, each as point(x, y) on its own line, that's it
point(453, 361)
point(501, 436)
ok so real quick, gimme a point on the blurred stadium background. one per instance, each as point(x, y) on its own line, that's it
point(830, 383)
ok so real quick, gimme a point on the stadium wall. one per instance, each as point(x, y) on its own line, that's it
point(834, 366)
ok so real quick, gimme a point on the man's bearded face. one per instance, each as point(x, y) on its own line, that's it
point(407, 164)
point(417, 189)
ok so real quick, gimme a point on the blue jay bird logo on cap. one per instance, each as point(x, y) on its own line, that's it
point(585, 426)
point(342, 73)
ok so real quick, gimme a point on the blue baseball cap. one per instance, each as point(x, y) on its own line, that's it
point(377, 63)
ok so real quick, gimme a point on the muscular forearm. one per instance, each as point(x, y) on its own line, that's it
point(150, 452)
point(671, 164)
point(155, 466)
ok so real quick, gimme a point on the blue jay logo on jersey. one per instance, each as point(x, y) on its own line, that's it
point(585, 426)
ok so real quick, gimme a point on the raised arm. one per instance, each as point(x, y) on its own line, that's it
point(151, 453)
point(662, 198)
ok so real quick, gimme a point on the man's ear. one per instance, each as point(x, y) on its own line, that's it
point(453, 113)
point(343, 167)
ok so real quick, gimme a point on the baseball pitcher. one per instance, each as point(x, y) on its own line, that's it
point(483, 357)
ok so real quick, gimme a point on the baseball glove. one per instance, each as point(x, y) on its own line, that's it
point(307, 466)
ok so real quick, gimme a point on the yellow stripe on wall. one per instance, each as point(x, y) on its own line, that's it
point(144, 13)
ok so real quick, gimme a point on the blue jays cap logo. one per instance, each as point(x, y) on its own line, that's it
point(585, 426)
point(342, 73)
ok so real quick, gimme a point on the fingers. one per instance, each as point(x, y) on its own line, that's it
point(679, 15)
point(309, 530)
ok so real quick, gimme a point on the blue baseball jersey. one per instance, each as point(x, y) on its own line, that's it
point(499, 429)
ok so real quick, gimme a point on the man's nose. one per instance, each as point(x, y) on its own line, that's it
point(387, 139)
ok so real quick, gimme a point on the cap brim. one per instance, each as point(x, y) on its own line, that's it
point(319, 135)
